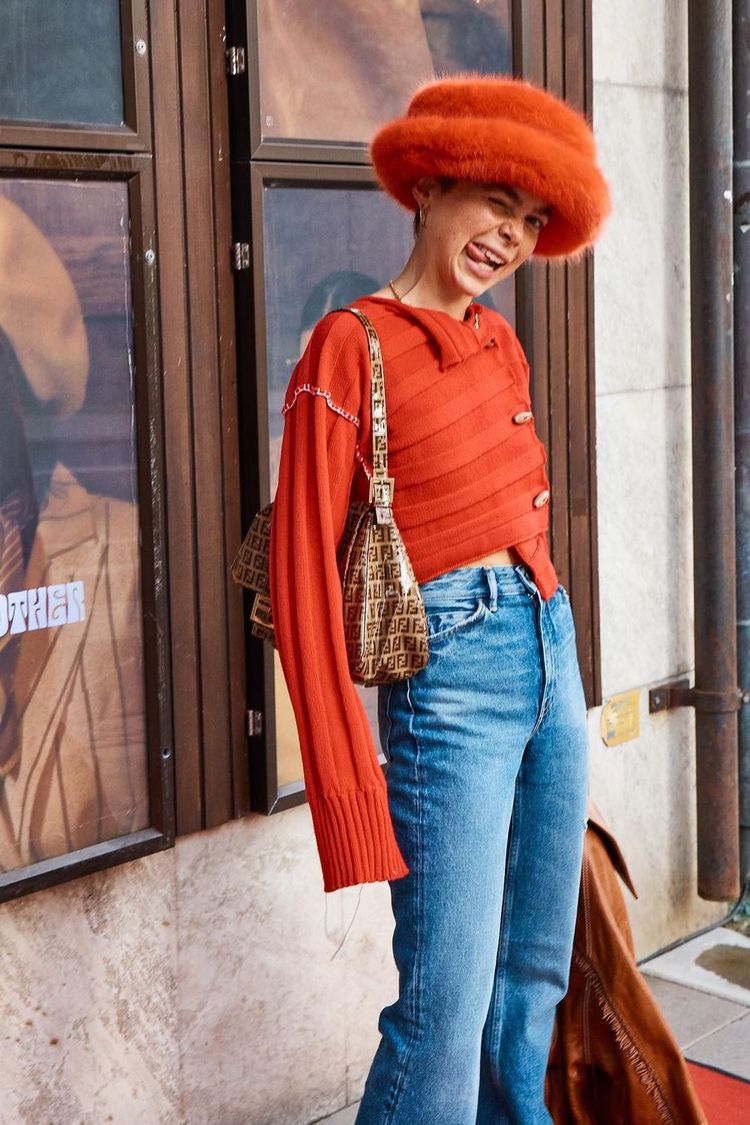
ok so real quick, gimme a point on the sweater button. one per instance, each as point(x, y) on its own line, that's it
point(490, 343)
point(541, 498)
point(524, 416)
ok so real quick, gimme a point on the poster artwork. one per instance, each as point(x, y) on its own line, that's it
point(72, 699)
point(42, 607)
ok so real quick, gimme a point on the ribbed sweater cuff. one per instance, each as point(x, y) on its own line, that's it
point(355, 839)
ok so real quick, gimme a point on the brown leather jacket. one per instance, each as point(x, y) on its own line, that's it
point(613, 1059)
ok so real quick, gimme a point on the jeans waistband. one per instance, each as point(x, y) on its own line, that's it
point(488, 581)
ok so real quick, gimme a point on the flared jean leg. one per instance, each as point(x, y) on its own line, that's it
point(479, 784)
point(545, 855)
point(447, 911)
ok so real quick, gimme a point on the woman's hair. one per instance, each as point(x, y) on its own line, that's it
point(332, 292)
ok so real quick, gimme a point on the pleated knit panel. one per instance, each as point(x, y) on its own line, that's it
point(470, 472)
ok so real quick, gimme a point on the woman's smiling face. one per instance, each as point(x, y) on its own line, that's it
point(476, 235)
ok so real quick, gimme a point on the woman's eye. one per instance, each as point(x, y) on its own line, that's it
point(537, 222)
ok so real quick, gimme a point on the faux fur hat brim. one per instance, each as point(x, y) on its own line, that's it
point(500, 130)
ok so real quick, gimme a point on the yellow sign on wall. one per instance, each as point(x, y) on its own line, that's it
point(619, 720)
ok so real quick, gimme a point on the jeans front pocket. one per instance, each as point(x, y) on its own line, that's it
point(446, 617)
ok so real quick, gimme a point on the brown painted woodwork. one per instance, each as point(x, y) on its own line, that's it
point(552, 43)
point(193, 197)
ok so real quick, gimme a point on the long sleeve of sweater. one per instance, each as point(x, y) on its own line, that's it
point(345, 786)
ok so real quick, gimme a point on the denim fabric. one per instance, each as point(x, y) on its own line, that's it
point(487, 779)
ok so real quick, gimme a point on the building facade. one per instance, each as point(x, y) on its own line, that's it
point(181, 186)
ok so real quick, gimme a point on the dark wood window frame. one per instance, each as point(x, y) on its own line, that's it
point(552, 46)
point(136, 172)
point(554, 310)
point(21, 156)
point(247, 141)
point(135, 134)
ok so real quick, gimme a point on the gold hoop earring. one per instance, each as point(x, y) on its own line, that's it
point(422, 216)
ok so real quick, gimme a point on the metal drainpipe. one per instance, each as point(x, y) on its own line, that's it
point(741, 82)
point(716, 696)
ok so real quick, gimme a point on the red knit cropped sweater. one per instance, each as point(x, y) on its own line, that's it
point(470, 478)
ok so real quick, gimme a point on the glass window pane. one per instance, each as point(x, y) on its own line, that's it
point(336, 71)
point(72, 732)
point(324, 247)
point(60, 61)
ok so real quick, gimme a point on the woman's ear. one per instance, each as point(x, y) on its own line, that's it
point(424, 190)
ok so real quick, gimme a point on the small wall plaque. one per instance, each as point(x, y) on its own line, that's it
point(619, 721)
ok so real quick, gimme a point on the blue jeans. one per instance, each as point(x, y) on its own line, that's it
point(487, 779)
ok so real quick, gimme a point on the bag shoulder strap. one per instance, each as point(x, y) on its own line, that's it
point(381, 485)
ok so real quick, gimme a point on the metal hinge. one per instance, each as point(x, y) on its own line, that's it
point(241, 256)
point(254, 723)
point(235, 60)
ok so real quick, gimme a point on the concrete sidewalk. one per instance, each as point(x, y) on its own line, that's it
point(703, 989)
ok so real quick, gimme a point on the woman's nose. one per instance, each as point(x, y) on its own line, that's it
point(510, 230)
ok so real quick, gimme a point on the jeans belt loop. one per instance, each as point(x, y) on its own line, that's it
point(524, 574)
point(492, 584)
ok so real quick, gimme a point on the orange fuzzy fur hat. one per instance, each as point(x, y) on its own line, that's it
point(500, 130)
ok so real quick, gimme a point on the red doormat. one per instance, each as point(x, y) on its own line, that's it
point(724, 1097)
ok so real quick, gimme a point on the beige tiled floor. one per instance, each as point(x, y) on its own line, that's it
point(709, 1029)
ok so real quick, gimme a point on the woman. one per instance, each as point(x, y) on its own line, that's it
point(479, 828)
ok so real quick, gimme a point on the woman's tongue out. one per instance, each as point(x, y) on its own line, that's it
point(477, 260)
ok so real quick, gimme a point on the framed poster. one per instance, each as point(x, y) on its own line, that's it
point(77, 714)
point(327, 76)
point(74, 74)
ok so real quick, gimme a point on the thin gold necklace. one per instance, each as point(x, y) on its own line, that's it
point(392, 288)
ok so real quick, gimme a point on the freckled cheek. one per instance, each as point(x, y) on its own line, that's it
point(451, 245)
point(527, 245)
point(454, 239)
